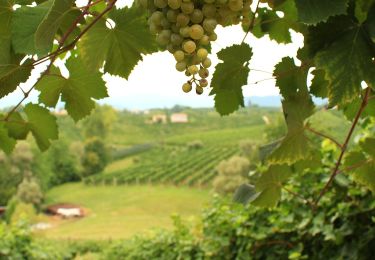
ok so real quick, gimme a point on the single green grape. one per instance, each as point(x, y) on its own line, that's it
point(187, 8)
point(203, 73)
point(199, 90)
point(196, 16)
point(174, 4)
point(206, 63)
point(202, 54)
point(186, 87)
point(196, 32)
point(181, 66)
point(203, 83)
point(193, 69)
point(179, 56)
point(189, 46)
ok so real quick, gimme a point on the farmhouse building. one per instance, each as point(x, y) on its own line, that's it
point(159, 118)
point(179, 118)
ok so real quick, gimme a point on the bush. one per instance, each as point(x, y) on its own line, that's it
point(95, 157)
point(231, 174)
point(195, 145)
point(29, 191)
point(23, 212)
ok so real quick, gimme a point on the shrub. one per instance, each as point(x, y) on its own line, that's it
point(29, 191)
point(195, 145)
point(231, 174)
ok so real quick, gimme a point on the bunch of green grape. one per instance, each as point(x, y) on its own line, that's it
point(186, 28)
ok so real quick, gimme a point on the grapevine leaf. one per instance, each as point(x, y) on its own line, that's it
point(363, 171)
point(25, 23)
point(5, 31)
point(120, 47)
point(319, 85)
point(315, 11)
point(12, 74)
point(269, 185)
point(66, 22)
point(229, 77)
point(77, 91)
point(361, 9)
point(324, 34)
point(245, 193)
point(277, 27)
point(42, 125)
point(48, 27)
point(289, 77)
point(295, 146)
point(7, 143)
point(17, 127)
point(347, 62)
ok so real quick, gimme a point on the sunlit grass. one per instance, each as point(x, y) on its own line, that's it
point(122, 211)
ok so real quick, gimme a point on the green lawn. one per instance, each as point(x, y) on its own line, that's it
point(122, 211)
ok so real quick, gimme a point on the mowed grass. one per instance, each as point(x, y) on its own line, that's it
point(122, 211)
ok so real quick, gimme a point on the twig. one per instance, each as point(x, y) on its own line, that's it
point(251, 25)
point(307, 127)
point(344, 147)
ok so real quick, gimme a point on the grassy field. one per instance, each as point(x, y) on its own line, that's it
point(122, 211)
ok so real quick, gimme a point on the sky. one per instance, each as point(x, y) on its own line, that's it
point(154, 82)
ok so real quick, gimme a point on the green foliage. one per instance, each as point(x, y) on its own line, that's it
point(42, 125)
point(95, 157)
point(341, 229)
point(29, 191)
point(64, 164)
point(122, 45)
point(12, 169)
point(315, 11)
point(229, 77)
point(77, 91)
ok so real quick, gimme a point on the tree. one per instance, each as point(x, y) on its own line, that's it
point(231, 174)
point(338, 53)
point(95, 157)
point(64, 165)
point(12, 169)
point(29, 191)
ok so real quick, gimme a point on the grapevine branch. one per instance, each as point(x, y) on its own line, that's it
point(61, 48)
point(336, 171)
point(252, 22)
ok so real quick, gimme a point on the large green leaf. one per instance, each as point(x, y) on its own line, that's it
point(245, 193)
point(12, 74)
point(295, 146)
point(120, 47)
point(25, 23)
point(361, 9)
point(77, 91)
point(363, 169)
point(347, 62)
point(319, 85)
point(229, 77)
point(289, 77)
point(277, 27)
point(42, 125)
point(315, 11)
point(5, 30)
point(7, 143)
point(17, 127)
point(48, 27)
point(270, 184)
